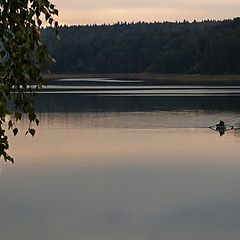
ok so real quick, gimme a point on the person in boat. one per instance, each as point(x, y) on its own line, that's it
point(221, 125)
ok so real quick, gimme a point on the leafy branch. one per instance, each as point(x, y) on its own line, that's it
point(23, 57)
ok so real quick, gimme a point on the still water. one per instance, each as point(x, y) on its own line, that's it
point(143, 168)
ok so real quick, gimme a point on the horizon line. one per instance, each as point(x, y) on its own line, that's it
point(184, 21)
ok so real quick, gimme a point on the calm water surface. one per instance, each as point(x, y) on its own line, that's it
point(141, 168)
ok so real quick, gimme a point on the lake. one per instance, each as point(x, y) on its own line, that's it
point(125, 167)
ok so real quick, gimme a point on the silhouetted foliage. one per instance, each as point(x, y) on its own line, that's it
point(180, 47)
point(22, 57)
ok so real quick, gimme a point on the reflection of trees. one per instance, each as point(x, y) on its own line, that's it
point(84, 103)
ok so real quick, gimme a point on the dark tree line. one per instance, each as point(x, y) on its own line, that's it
point(179, 47)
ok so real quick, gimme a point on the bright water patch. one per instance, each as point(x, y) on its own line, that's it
point(97, 80)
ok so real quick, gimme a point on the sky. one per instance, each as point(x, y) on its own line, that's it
point(74, 12)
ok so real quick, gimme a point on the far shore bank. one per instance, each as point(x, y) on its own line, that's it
point(158, 79)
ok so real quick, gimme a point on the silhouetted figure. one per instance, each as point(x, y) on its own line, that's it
point(221, 127)
point(221, 124)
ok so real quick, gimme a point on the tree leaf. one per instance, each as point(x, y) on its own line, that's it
point(15, 131)
point(10, 124)
point(37, 121)
point(32, 131)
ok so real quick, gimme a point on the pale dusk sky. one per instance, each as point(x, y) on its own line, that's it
point(110, 11)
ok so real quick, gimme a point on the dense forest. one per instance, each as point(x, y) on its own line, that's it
point(168, 47)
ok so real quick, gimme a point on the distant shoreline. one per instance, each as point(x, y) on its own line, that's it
point(159, 79)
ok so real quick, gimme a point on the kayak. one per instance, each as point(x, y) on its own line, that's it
point(219, 127)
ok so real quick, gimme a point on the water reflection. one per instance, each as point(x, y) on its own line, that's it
point(114, 183)
point(140, 174)
point(79, 103)
point(237, 134)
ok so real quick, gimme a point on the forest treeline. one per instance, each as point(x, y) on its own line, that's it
point(168, 47)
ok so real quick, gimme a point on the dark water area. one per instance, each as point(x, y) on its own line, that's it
point(77, 103)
